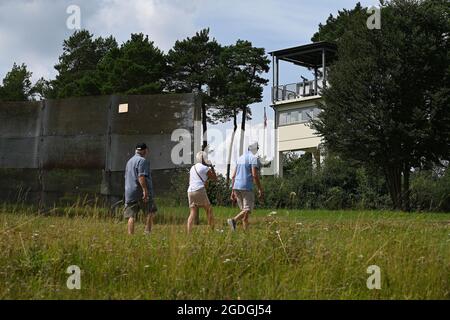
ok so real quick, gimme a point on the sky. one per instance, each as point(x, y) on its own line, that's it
point(32, 31)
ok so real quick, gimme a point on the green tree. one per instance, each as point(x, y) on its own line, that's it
point(336, 27)
point(16, 84)
point(387, 105)
point(41, 89)
point(77, 66)
point(239, 84)
point(137, 67)
point(191, 64)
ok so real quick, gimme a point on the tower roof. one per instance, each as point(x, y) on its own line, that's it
point(309, 55)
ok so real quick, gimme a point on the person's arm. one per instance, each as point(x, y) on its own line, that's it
point(255, 174)
point(143, 183)
point(212, 174)
point(142, 174)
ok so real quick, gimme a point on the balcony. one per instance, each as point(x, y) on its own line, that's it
point(314, 57)
point(296, 91)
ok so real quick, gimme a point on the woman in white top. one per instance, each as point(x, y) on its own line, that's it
point(198, 175)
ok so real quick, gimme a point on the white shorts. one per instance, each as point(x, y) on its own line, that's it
point(245, 199)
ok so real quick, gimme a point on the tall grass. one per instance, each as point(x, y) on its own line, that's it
point(285, 255)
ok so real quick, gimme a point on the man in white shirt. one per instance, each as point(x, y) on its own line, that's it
point(198, 198)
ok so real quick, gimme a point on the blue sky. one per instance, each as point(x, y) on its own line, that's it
point(32, 31)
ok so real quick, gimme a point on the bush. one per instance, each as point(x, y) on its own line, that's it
point(335, 185)
point(430, 192)
point(335, 198)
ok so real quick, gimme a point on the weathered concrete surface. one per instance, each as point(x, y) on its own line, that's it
point(18, 152)
point(19, 134)
point(19, 119)
point(59, 148)
point(160, 148)
point(73, 152)
point(72, 181)
point(161, 182)
point(76, 116)
point(150, 119)
point(74, 133)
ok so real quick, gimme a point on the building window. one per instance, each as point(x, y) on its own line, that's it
point(295, 116)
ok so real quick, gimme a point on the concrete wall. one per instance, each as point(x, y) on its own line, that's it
point(61, 149)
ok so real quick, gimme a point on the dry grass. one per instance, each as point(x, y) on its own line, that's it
point(288, 255)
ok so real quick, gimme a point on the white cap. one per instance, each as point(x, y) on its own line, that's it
point(253, 146)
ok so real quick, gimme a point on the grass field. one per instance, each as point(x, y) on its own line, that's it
point(285, 255)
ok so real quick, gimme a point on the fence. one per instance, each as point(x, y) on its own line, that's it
point(57, 150)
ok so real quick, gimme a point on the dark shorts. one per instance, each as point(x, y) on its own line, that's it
point(132, 209)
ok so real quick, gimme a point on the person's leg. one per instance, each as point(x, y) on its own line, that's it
point(131, 225)
point(150, 210)
point(249, 204)
point(245, 223)
point(232, 222)
point(149, 222)
point(130, 213)
point(209, 214)
point(193, 213)
point(240, 215)
point(245, 201)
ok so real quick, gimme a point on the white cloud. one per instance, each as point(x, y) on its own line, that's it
point(163, 21)
point(32, 32)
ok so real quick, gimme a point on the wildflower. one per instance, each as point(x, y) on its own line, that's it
point(299, 224)
point(226, 260)
point(272, 213)
point(360, 256)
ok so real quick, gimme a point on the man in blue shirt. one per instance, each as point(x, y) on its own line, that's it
point(247, 171)
point(139, 189)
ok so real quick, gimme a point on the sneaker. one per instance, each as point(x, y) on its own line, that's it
point(232, 224)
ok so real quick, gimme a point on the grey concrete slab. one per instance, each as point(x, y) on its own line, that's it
point(19, 119)
point(18, 152)
point(160, 148)
point(60, 149)
point(76, 116)
point(73, 152)
point(154, 114)
point(72, 181)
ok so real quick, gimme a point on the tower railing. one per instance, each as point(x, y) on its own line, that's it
point(294, 91)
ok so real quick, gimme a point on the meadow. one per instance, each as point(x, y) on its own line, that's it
point(286, 254)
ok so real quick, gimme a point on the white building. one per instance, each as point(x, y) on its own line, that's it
point(297, 103)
